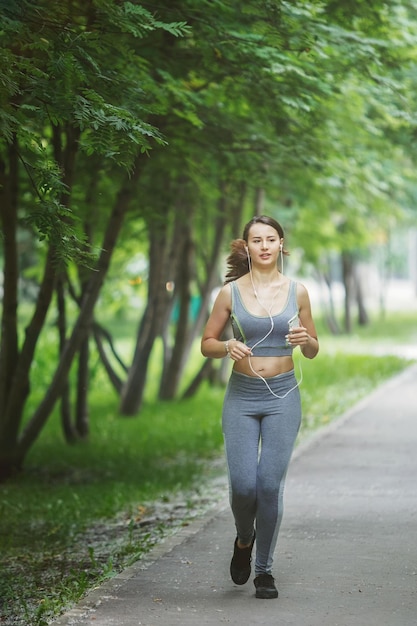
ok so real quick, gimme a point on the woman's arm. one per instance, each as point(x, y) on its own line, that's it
point(211, 345)
point(305, 335)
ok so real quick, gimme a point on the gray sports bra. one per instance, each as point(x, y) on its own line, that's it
point(251, 328)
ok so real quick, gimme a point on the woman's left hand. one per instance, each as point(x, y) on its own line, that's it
point(298, 336)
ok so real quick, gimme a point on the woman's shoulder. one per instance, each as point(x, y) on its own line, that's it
point(223, 298)
point(301, 289)
point(243, 282)
point(237, 283)
point(302, 293)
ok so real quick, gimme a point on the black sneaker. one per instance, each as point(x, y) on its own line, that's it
point(240, 564)
point(265, 587)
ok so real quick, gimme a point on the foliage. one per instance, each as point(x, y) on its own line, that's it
point(69, 67)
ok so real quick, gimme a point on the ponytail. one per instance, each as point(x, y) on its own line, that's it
point(237, 261)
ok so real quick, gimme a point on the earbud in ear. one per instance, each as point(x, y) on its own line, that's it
point(280, 246)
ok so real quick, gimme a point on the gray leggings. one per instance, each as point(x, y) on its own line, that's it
point(259, 433)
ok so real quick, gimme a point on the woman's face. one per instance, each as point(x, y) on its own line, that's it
point(263, 244)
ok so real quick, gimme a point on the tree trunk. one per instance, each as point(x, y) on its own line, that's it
point(150, 327)
point(172, 373)
point(99, 332)
point(66, 422)
point(363, 318)
point(348, 282)
point(328, 303)
point(65, 157)
point(9, 336)
point(259, 200)
point(13, 457)
point(177, 267)
point(82, 425)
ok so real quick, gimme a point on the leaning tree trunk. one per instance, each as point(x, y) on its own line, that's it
point(100, 334)
point(150, 327)
point(13, 459)
point(11, 451)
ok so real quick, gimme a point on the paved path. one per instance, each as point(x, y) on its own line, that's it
point(347, 554)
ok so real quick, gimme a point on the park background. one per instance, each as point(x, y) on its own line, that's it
point(136, 141)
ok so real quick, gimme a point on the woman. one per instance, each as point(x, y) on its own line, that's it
point(270, 316)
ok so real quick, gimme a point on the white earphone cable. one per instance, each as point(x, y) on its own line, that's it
point(269, 312)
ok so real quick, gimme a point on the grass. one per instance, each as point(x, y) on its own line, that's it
point(80, 513)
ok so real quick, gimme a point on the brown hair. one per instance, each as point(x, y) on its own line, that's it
point(237, 261)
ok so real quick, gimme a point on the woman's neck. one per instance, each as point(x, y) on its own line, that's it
point(267, 277)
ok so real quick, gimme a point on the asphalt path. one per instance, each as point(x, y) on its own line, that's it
point(347, 552)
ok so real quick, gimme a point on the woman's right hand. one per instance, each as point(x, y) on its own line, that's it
point(238, 350)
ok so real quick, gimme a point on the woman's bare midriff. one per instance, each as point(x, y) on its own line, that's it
point(264, 366)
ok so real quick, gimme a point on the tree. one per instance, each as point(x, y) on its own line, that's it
point(69, 92)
